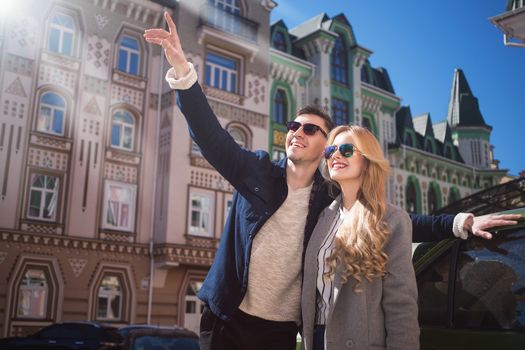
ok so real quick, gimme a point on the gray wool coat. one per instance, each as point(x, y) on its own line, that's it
point(382, 316)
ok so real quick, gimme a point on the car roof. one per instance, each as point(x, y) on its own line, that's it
point(520, 224)
point(163, 332)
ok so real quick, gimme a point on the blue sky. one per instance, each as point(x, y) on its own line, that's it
point(420, 43)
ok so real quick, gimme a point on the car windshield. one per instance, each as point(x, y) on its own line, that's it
point(149, 342)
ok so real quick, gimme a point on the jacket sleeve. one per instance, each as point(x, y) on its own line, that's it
point(431, 228)
point(399, 286)
point(216, 144)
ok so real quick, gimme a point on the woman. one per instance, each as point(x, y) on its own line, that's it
point(359, 287)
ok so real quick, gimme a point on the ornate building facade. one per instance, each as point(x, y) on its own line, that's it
point(109, 212)
point(103, 195)
point(433, 164)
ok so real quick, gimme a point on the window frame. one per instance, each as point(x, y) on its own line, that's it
point(44, 190)
point(336, 103)
point(129, 53)
point(53, 110)
point(47, 294)
point(62, 30)
point(210, 70)
point(339, 61)
point(197, 230)
point(131, 207)
point(123, 126)
point(120, 294)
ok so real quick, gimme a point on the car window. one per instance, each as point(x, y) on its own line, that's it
point(53, 331)
point(165, 343)
point(432, 284)
point(490, 283)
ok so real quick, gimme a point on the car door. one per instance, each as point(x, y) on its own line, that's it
point(472, 293)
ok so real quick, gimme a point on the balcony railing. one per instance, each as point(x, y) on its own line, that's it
point(228, 22)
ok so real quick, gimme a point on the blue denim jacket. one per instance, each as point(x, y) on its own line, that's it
point(261, 189)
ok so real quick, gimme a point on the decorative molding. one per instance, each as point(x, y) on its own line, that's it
point(162, 252)
point(129, 80)
point(92, 107)
point(122, 156)
point(95, 85)
point(3, 256)
point(47, 159)
point(120, 173)
point(223, 95)
point(51, 229)
point(101, 20)
point(211, 180)
point(238, 114)
point(62, 61)
point(50, 141)
point(171, 254)
point(16, 88)
point(77, 265)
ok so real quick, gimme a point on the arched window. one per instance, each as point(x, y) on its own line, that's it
point(43, 197)
point(339, 62)
point(61, 36)
point(279, 42)
point(51, 114)
point(454, 195)
point(122, 130)
point(432, 199)
point(280, 107)
point(412, 195)
point(129, 55)
point(239, 136)
point(109, 300)
point(33, 293)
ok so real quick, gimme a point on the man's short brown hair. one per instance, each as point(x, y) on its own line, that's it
point(318, 111)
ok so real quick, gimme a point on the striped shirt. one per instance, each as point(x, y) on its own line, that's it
point(325, 284)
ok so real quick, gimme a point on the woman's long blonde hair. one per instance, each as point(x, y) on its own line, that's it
point(360, 239)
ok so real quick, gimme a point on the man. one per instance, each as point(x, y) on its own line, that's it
point(274, 210)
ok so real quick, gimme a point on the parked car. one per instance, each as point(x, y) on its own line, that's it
point(144, 337)
point(472, 292)
point(67, 336)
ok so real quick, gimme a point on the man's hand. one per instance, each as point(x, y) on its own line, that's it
point(479, 224)
point(170, 42)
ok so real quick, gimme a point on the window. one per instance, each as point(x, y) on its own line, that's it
point(432, 287)
point(227, 206)
point(489, 291)
point(239, 136)
point(43, 197)
point(278, 154)
point(122, 130)
point(61, 34)
point(433, 200)
point(200, 212)
point(339, 61)
point(279, 41)
point(280, 107)
point(411, 197)
point(32, 295)
point(109, 301)
point(129, 55)
point(454, 195)
point(51, 114)
point(222, 72)
point(119, 206)
point(340, 111)
point(193, 306)
point(225, 14)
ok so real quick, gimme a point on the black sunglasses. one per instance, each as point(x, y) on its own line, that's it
point(346, 149)
point(309, 129)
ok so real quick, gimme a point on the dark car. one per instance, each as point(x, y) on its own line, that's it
point(67, 336)
point(160, 338)
point(472, 292)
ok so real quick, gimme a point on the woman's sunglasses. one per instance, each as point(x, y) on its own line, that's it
point(346, 149)
point(308, 129)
